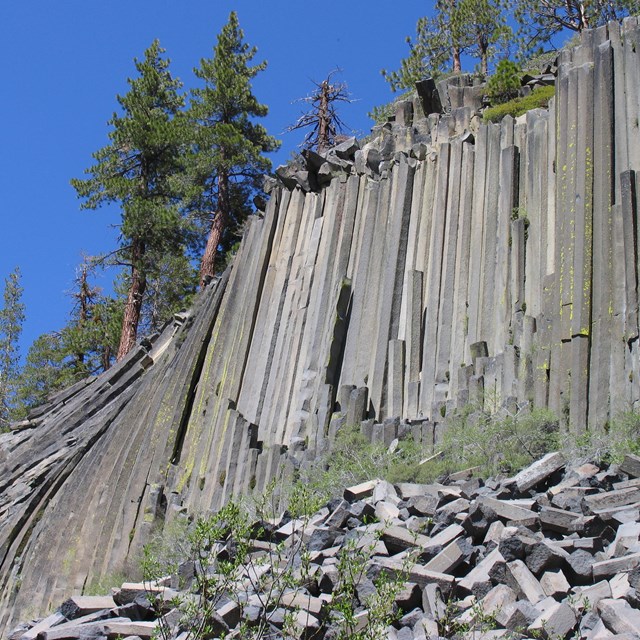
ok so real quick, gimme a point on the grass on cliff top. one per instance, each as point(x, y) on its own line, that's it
point(518, 106)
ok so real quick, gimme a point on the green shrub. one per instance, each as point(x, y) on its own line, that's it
point(504, 84)
point(620, 436)
point(499, 443)
point(227, 566)
point(538, 98)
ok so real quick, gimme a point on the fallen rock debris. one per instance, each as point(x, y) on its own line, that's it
point(553, 552)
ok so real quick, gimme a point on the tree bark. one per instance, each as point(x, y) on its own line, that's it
point(483, 47)
point(133, 305)
point(218, 226)
point(323, 117)
point(457, 65)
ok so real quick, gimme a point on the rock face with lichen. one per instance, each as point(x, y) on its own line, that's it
point(387, 283)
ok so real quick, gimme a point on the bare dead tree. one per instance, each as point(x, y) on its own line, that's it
point(322, 117)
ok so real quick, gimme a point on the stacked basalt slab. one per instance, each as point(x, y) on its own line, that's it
point(445, 261)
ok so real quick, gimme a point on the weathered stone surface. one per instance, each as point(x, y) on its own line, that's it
point(539, 471)
point(619, 617)
point(77, 606)
point(556, 621)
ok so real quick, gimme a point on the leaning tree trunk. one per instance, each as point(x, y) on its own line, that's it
point(208, 262)
point(133, 305)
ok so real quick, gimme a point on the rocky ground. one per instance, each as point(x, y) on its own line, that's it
point(553, 552)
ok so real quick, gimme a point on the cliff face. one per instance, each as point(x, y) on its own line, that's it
point(445, 261)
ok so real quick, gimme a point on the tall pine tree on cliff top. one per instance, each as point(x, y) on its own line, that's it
point(137, 170)
point(226, 164)
point(478, 28)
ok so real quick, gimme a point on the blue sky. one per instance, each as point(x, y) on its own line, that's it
point(64, 62)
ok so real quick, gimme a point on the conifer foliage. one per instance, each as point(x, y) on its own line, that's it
point(477, 28)
point(226, 163)
point(138, 171)
point(541, 20)
point(85, 346)
point(11, 319)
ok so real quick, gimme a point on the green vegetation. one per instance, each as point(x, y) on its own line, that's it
point(136, 170)
point(620, 436)
point(239, 541)
point(541, 21)
point(179, 176)
point(225, 161)
point(518, 106)
point(380, 114)
point(100, 586)
point(474, 27)
point(489, 442)
point(504, 84)
point(11, 319)
point(221, 550)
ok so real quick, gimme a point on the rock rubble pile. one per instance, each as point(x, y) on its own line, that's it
point(553, 552)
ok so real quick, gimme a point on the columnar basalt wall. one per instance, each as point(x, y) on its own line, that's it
point(445, 261)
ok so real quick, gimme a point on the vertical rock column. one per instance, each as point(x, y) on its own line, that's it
point(581, 275)
point(489, 242)
point(391, 280)
point(560, 356)
point(207, 436)
point(355, 367)
point(434, 278)
point(448, 292)
point(477, 226)
point(602, 241)
point(460, 318)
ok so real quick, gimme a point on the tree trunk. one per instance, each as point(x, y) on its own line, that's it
point(133, 305)
point(323, 117)
point(208, 262)
point(457, 66)
point(483, 47)
point(105, 358)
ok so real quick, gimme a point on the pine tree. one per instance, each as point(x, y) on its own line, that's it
point(85, 346)
point(429, 54)
point(46, 370)
point(226, 165)
point(90, 339)
point(489, 33)
point(478, 28)
point(541, 20)
point(138, 170)
point(11, 319)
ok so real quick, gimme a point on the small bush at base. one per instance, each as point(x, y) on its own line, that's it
point(538, 98)
point(610, 444)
